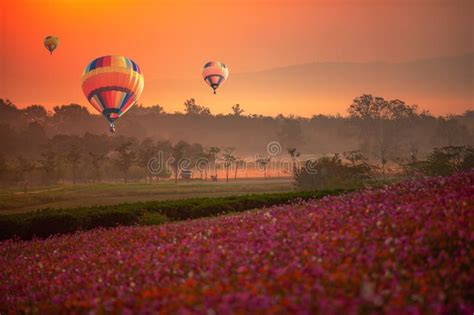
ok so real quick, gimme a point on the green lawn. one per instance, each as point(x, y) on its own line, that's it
point(66, 196)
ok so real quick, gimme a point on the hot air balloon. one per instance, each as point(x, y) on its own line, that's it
point(112, 84)
point(215, 73)
point(51, 43)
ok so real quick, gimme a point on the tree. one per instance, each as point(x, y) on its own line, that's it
point(10, 114)
point(146, 152)
point(139, 110)
point(191, 108)
point(50, 164)
point(379, 121)
point(74, 157)
point(290, 133)
point(213, 156)
point(202, 163)
point(236, 110)
point(355, 157)
point(163, 149)
point(294, 154)
point(263, 163)
point(32, 137)
point(125, 159)
point(97, 161)
point(70, 119)
point(9, 139)
point(239, 163)
point(24, 167)
point(449, 132)
point(35, 113)
point(178, 153)
point(448, 160)
point(5, 170)
point(229, 160)
point(329, 172)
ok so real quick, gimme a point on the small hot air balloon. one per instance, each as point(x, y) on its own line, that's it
point(215, 73)
point(112, 84)
point(51, 43)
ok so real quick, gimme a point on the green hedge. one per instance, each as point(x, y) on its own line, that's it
point(47, 222)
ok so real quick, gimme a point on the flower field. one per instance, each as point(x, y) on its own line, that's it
point(403, 249)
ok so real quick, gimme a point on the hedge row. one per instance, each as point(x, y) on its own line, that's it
point(47, 222)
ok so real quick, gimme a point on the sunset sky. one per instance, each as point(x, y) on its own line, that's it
point(171, 41)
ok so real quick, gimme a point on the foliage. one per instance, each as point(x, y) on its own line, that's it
point(237, 110)
point(444, 161)
point(384, 130)
point(191, 108)
point(125, 158)
point(152, 218)
point(331, 172)
point(44, 223)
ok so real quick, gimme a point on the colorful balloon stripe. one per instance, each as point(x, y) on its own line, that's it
point(113, 61)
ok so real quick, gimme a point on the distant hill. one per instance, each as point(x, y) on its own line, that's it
point(440, 84)
point(447, 81)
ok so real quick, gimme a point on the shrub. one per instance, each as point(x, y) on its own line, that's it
point(444, 161)
point(331, 173)
point(152, 218)
point(48, 222)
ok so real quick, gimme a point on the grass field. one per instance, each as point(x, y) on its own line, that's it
point(65, 196)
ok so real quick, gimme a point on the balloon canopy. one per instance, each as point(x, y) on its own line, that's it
point(215, 73)
point(112, 84)
point(51, 43)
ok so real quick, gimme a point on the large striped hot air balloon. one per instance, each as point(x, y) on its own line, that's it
point(51, 43)
point(112, 84)
point(215, 73)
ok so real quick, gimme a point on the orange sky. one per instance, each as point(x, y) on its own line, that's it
point(171, 40)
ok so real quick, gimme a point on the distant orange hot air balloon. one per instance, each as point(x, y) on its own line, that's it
point(51, 43)
point(112, 84)
point(215, 73)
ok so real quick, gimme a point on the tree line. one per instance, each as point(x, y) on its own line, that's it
point(70, 144)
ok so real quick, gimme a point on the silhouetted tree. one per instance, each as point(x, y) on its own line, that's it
point(32, 138)
point(4, 169)
point(203, 159)
point(263, 163)
point(236, 110)
point(73, 157)
point(290, 133)
point(238, 163)
point(229, 160)
point(97, 161)
point(146, 152)
point(125, 159)
point(191, 108)
point(450, 132)
point(50, 164)
point(294, 154)
point(213, 156)
point(178, 153)
point(70, 119)
point(379, 121)
point(10, 114)
point(164, 150)
point(35, 113)
point(23, 168)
